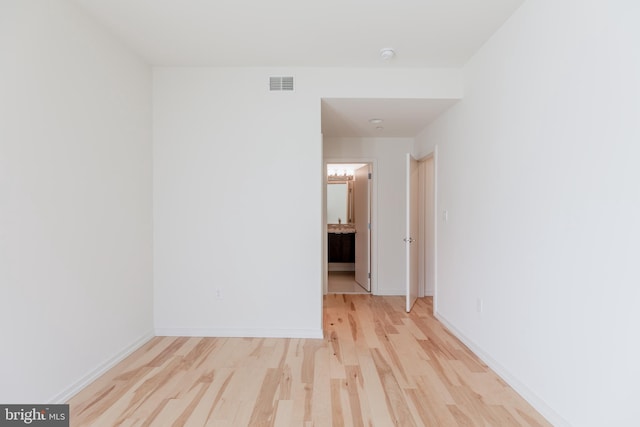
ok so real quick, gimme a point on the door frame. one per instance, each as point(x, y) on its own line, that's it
point(423, 241)
point(373, 247)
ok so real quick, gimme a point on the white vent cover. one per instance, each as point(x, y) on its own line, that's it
point(280, 83)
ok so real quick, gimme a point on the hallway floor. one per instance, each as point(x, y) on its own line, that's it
point(344, 282)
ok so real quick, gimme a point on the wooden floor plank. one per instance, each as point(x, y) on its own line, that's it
point(376, 366)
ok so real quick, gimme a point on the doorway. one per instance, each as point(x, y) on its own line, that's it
point(420, 228)
point(349, 219)
point(427, 225)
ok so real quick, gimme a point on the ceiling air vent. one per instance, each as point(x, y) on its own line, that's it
point(280, 83)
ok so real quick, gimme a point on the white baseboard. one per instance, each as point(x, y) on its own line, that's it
point(239, 333)
point(540, 405)
point(72, 390)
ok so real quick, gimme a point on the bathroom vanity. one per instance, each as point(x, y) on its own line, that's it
point(342, 243)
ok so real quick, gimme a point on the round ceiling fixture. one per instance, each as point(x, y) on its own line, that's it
point(387, 54)
point(375, 121)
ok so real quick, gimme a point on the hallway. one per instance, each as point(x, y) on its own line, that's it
point(344, 282)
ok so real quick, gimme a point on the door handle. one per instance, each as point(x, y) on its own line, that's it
point(409, 240)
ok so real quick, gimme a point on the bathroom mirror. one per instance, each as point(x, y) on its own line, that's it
point(339, 203)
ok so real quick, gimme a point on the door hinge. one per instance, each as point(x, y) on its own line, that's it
point(369, 275)
point(369, 175)
point(369, 226)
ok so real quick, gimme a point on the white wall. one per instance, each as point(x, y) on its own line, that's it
point(226, 154)
point(538, 170)
point(75, 200)
point(388, 204)
point(233, 165)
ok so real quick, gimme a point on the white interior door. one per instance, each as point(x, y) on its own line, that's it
point(412, 231)
point(362, 220)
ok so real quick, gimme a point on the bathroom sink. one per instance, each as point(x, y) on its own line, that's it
point(341, 228)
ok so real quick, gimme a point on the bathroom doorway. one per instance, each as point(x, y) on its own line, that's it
point(349, 227)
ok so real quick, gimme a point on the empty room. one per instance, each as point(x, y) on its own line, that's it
point(169, 243)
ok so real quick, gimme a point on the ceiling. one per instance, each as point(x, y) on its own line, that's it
point(323, 33)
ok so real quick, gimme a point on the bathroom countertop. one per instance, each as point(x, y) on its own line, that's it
point(341, 228)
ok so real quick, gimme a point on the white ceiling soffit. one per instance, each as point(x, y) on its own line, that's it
point(403, 118)
point(324, 33)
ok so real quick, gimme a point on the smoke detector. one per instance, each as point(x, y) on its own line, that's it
point(387, 54)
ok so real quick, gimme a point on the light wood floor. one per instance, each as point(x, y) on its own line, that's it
point(377, 366)
point(344, 282)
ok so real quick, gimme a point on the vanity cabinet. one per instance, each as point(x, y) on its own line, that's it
point(342, 247)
